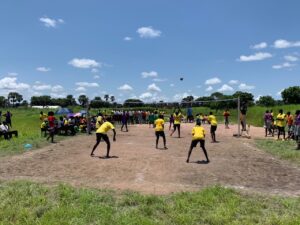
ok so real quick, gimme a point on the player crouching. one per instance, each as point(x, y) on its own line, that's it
point(198, 133)
point(101, 133)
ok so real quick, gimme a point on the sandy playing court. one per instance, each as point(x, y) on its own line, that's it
point(137, 165)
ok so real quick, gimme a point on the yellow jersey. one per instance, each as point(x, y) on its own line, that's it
point(159, 125)
point(43, 117)
point(99, 121)
point(43, 125)
point(105, 127)
point(212, 120)
point(198, 133)
point(280, 119)
point(177, 118)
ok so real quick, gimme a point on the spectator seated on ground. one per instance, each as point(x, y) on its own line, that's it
point(4, 131)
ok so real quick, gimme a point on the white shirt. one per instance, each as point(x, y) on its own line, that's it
point(3, 127)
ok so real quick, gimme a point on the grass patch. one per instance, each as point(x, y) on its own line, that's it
point(27, 122)
point(31, 203)
point(282, 149)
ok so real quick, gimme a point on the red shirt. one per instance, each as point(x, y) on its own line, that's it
point(51, 120)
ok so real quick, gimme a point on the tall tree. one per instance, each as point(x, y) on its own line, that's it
point(83, 100)
point(14, 97)
point(112, 98)
point(266, 101)
point(291, 95)
point(2, 101)
point(106, 97)
point(71, 100)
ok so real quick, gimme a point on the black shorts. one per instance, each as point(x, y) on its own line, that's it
point(160, 133)
point(176, 126)
point(195, 142)
point(281, 129)
point(213, 129)
point(100, 136)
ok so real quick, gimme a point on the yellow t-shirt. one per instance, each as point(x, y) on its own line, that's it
point(159, 125)
point(43, 125)
point(280, 120)
point(43, 117)
point(198, 133)
point(177, 118)
point(98, 121)
point(105, 127)
point(213, 120)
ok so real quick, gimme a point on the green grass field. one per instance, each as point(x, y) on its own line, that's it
point(27, 122)
point(282, 149)
point(25, 203)
point(31, 203)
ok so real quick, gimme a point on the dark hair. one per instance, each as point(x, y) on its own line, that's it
point(267, 111)
point(50, 113)
point(280, 111)
point(161, 116)
point(297, 112)
point(198, 122)
point(288, 113)
point(210, 113)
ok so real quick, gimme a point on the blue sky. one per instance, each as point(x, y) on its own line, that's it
point(142, 48)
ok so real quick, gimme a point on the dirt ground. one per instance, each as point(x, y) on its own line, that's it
point(138, 166)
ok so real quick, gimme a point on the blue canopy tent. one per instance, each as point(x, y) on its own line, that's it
point(63, 111)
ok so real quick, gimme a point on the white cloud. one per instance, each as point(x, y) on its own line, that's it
point(256, 57)
point(172, 85)
point(199, 86)
point(96, 77)
point(283, 65)
point(86, 84)
point(179, 96)
point(257, 98)
point(225, 88)
point(148, 32)
point(43, 69)
point(149, 74)
point(41, 87)
point(279, 92)
point(260, 45)
point(57, 88)
point(233, 82)
point(84, 63)
point(127, 39)
point(153, 87)
point(245, 87)
point(291, 58)
point(159, 80)
point(80, 89)
point(125, 87)
point(210, 88)
point(10, 83)
point(61, 21)
point(281, 43)
point(48, 22)
point(94, 70)
point(213, 81)
point(146, 95)
point(56, 95)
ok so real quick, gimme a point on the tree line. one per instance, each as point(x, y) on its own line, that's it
point(289, 95)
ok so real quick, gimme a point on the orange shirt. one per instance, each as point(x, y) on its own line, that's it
point(290, 120)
